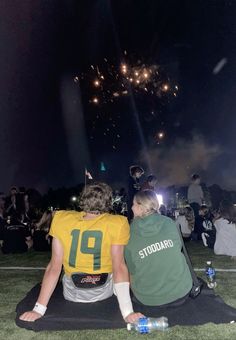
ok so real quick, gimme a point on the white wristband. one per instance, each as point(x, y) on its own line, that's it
point(41, 309)
point(121, 290)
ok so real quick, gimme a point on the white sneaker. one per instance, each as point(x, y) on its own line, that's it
point(204, 239)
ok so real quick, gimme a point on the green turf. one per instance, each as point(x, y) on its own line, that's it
point(30, 259)
point(200, 254)
point(15, 284)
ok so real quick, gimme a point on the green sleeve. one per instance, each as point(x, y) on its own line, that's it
point(129, 262)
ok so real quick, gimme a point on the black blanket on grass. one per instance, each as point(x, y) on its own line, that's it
point(65, 315)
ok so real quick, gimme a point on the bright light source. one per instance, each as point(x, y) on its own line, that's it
point(95, 100)
point(96, 83)
point(73, 198)
point(165, 87)
point(161, 135)
point(160, 199)
point(124, 68)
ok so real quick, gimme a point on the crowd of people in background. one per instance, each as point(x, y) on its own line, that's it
point(215, 228)
point(25, 223)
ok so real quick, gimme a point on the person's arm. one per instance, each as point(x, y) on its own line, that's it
point(49, 283)
point(189, 193)
point(122, 285)
point(202, 194)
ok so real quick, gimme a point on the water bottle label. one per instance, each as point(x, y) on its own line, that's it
point(210, 271)
point(143, 326)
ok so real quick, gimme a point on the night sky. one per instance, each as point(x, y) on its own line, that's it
point(175, 117)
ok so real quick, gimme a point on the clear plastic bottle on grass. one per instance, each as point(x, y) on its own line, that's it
point(149, 325)
point(210, 275)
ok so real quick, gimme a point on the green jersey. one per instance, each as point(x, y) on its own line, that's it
point(158, 268)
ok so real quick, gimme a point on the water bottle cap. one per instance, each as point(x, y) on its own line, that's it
point(209, 263)
point(129, 326)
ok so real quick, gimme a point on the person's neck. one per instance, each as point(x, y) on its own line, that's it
point(90, 216)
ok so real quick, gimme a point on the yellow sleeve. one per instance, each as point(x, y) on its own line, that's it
point(56, 225)
point(121, 232)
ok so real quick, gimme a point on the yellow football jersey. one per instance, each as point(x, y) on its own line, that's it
point(87, 243)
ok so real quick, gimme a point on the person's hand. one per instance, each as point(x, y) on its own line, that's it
point(30, 316)
point(133, 317)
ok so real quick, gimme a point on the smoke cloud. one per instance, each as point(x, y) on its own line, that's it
point(175, 164)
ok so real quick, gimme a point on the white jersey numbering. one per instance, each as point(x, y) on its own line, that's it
point(153, 248)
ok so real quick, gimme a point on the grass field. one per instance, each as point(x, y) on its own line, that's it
point(14, 285)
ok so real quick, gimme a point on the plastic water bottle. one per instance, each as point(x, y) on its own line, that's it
point(148, 325)
point(210, 275)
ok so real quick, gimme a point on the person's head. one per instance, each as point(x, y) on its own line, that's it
point(203, 211)
point(96, 198)
point(136, 171)
point(145, 203)
point(215, 213)
point(152, 180)
point(13, 191)
point(189, 215)
point(196, 179)
point(228, 211)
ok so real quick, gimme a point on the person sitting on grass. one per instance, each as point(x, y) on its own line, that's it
point(90, 246)
point(159, 273)
point(205, 228)
point(225, 239)
point(204, 222)
point(16, 237)
point(185, 221)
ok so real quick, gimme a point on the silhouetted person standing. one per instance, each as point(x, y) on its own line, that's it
point(195, 194)
point(134, 186)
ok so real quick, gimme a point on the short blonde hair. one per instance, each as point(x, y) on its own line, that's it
point(148, 200)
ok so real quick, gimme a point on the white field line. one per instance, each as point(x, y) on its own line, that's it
point(22, 268)
point(43, 268)
point(216, 269)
